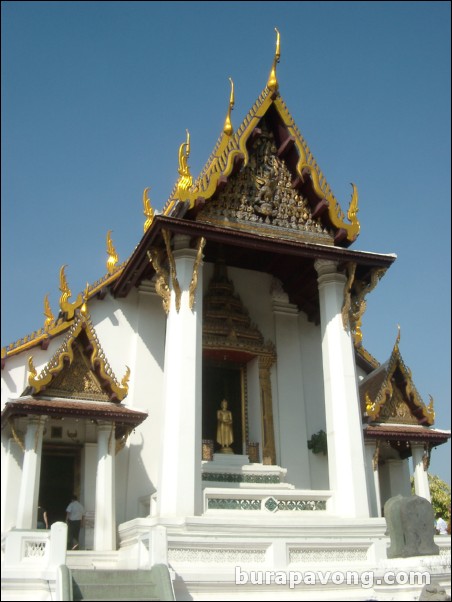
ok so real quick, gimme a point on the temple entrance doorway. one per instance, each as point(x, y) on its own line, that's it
point(60, 478)
point(224, 381)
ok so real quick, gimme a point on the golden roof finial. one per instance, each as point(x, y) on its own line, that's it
point(84, 308)
point(353, 208)
point(396, 345)
point(185, 180)
point(430, 409)
point(272, 83)
point(228, 129)
point(50, 318)
point(112, 255)
point(31, 369)
point(64, 288)
point(147, 209)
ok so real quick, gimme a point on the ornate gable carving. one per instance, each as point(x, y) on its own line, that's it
point(76, 381)
point(391, 395)
point(79, 368)
point(261, 198)
point(397, 410)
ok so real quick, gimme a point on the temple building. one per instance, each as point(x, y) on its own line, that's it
point(210, 400)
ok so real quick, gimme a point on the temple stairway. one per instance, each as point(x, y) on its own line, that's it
point(104, 584)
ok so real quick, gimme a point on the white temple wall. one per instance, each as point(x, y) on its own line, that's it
point(312, 371)
point(15, 372)
point(132, 333)
point(254, 291)
point(11, 458)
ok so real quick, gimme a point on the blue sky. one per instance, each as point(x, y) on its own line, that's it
point(96, 97)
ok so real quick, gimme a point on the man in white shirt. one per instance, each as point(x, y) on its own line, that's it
point(75, 514)
point(440, 524)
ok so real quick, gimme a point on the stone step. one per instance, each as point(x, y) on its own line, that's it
point(87, 576)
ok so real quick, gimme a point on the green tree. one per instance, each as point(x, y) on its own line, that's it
point(440, 494)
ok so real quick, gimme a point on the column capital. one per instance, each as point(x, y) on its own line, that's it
point(105, 426)
point(181, 241)
point(327, 271)
point(325, 266)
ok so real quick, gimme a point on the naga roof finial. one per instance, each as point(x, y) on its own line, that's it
point(147, 209)
point(64, 287)
point(185, 179)
point(228, 129)
point(50, 318)
point(112, 255)
point(272, 83)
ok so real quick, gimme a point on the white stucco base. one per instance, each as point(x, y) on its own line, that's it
point(208, 555)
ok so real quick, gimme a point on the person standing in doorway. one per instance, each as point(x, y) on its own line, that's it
point(75, 514)
point(43, 521)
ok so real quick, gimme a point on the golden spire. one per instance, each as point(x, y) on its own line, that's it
point(48, 313)
point(185, 179)
point(228, 129)
point(272, 83)
point(147, 209)
point(112, 255)
point(64, 288)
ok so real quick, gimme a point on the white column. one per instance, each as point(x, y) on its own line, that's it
point(373, 478)
point(291, 404)
point(179, 486)
point(104, 517)
point(342, 408)
point(421, 486)
point(31, 472)
point(11, 479)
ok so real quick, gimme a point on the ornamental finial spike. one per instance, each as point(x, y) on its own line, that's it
point(112, 255)
point(84, 307)
point(272, 83)
point(48, 313)
point(396, 346)
point(185, 180)
point(228, 129)
point(147, 209)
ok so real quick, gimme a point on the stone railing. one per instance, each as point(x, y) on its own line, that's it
point(30, 562)
point(274, 502)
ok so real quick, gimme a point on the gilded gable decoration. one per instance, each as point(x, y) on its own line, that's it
point(231, 153)
point(79, 368)
point(390, 395)
point(261, 197)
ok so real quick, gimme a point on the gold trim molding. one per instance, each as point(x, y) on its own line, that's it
point(194, 278)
